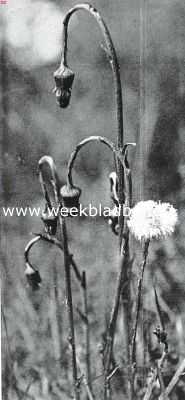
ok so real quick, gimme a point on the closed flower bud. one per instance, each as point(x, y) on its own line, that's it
point(50, 222)
point(70, 196)
point(33, 277)
point(64, 78)
point(63, 97)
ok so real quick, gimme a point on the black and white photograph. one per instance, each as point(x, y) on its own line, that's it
point(92, 199)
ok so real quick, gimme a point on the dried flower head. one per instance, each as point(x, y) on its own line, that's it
point(70, 196)
point(33, 277)
point(150, 220)
point(50, 221)
point(64, 78)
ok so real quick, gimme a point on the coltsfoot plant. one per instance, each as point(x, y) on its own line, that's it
point(148, 221)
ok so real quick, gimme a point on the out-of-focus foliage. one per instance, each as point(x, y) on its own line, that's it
point(30, 35)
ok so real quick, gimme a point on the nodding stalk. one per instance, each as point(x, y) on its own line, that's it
point(64, 79)
point(67, 261)
point(32, 274)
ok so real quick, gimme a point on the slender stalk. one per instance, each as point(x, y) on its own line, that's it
point(67, 267)
point(139, 299)
point(69, 304)
point(5, 109)
point(142, 100)
point(161, 382)
point(89, 392)
point(122, 290)
point(119, 156)
point(124, 272)
point(126, 291)
point(117, 87)
point(28, 247)
point(113, 319)
point(83, 283)
point(127, 312)
point(112, 54)
point(73, 156)
point(54, 317)
point(120, 141)
point(87, 331)
point(85, 320)
point(152, 381)
point(174, 380)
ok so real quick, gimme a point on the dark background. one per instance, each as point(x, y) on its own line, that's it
point(32, 125)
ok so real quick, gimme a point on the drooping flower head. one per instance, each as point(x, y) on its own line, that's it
point(64, 78)
point(33, 277)
point(152, 220)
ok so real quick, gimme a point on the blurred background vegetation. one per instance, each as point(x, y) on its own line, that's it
point(32, 125)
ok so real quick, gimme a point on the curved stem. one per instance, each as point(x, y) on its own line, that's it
point(117, 86)
point(28, 248)
point(67, 264)
point(74, 154)
point(49, 161)
point(111, 52)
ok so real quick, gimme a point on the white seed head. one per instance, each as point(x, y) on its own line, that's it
point(152, 220)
